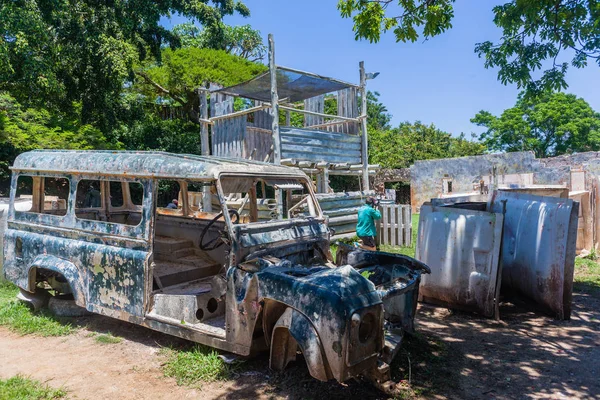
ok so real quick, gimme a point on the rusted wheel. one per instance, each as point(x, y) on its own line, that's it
point(62, 307)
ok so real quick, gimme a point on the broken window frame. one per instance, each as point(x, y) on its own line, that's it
point(38, 195)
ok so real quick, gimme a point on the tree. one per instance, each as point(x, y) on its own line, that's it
point(241, 40)
point(23, 129)
point(55, 53)
point(378, 116)
point(183, 70)
point(402, 146)
point(532, 32)
point(554, 124)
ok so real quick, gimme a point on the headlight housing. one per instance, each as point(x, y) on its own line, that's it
point(365, 335)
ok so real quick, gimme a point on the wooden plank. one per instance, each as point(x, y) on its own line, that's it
point(384, 211)
point(398, 227)
point(305, 112)
point(392, 229)
point(407, 226)
point(226, 106)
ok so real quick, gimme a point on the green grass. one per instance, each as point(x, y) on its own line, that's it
point(192, 367)
point(406, 250)
point(19, 318)
point(108, 338)
point(587, 276)
point(22, 388)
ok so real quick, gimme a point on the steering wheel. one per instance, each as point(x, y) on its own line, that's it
point(215, 243)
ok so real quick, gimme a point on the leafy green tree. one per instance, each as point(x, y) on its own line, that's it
point(154, 133)
point(23, 129)
point(371, 20)
point(240, 40)
point(183, 70)
point(533, 32)
point(55, 53)
point(400, 147)
point(554, 124)
point(378, 117)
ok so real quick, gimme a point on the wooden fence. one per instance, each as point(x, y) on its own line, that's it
point(395, 226)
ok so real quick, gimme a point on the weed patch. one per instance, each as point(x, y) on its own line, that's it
point(424, 366)
point(22, 388)
point(108, 338)
point(19, 318)
point(587, 276)
point(194, 366)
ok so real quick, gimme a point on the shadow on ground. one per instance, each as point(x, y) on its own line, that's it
point(452, 355)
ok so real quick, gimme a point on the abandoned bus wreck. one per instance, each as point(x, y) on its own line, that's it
point(243, 280)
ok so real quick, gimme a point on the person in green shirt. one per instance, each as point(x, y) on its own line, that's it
point(365, 228)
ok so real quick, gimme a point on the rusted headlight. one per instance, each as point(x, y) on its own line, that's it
point(366, 328)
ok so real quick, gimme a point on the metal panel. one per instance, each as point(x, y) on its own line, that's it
point(538, 251)
point(462, 249)
point(314, 145)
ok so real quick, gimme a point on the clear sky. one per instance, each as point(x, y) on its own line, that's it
point(440, 81)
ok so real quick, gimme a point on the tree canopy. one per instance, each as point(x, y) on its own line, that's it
point(243, 40)
point(534, 33)
point(60, 52)
point(400, 147)
point(554, 124)
point(183, 70)
point(25, 128)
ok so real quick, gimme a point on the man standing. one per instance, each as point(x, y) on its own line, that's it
point(365, 228)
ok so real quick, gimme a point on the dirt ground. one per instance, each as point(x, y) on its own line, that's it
point(454, 355)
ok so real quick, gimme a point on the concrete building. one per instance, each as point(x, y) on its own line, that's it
point(576, 176)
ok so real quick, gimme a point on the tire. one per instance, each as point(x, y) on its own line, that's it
point(66, 308)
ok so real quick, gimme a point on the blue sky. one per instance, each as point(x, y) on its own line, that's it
point(440, 81)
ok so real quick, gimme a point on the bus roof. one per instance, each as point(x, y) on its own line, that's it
point(147, 164)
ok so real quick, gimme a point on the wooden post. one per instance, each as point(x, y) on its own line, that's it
point(253, 204)
point(326, 179)
point(363, 124)
point(203, 114)
point(275, 125)
point(274, 102)
point(204, 145)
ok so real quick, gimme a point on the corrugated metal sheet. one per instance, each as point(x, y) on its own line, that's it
point(314, 145)
point(462, 249)
point(538, 251)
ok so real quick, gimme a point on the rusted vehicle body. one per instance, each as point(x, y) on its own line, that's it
point(98, 229)
point(516, 242)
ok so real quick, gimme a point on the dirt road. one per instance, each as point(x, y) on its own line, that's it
point(455, 355)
